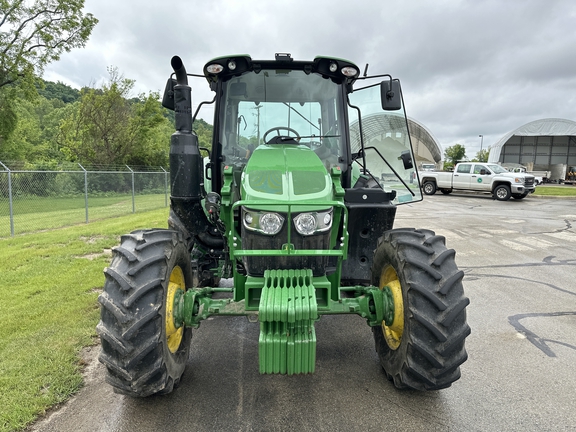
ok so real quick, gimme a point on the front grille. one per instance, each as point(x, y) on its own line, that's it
point(255, 265)
point(529, 181)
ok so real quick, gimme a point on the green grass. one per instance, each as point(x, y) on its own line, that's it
point(49, 284)
point(37, 213)
point(566, 191)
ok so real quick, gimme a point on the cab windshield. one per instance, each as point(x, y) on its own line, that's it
point(497, 169)
point(300, 108)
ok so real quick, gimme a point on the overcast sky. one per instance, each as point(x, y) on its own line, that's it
point(467, 68)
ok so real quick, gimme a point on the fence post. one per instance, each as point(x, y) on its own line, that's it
point(85, 191)
point(133, 202)
point(10, 199)
point(165, 186)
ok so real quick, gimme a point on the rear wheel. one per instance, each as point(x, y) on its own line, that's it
point(423, 348)
point(429, 188)
point(143, 351)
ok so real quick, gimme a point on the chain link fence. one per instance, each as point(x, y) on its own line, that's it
point(34, 199)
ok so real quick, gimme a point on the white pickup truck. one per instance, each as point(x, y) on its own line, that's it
point(479, 177)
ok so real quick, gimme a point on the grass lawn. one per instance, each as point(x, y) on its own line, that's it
point(39, 213)
point(49, 283)
point(565, 190)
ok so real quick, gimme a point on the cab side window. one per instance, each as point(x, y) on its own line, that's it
point(482, 170)
point(464, 168)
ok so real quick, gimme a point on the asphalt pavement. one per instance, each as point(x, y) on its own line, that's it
point(519, 258)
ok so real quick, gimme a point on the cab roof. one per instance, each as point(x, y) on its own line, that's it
point(226, 67)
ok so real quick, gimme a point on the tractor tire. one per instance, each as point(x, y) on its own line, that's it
point(429, 187)
point(423, 347)
point(502, 192)
point(143, 352)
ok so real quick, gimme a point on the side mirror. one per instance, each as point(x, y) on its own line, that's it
point(390, 95)
point(406, 158)
point(168, 98)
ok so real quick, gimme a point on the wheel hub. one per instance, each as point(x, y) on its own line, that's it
point(173, 334)
point(393, 332)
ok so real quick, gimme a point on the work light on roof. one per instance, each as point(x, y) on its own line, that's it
point(215, 68)
point(231, 65)
point(349, 71)
point(333, 67)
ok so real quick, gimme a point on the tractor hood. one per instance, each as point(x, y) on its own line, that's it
point(283, 173)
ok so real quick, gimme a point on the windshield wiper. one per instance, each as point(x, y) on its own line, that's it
point(320, 136)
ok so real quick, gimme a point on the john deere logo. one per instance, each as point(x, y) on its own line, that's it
point(480, 180)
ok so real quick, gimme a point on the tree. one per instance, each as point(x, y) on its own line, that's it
point(58, 91)
point(108, 127)
point(482, 155)
point(38, 125)
point(32, 35)
point(455, 154)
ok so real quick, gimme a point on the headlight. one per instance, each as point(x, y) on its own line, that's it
point(313, 222)
point(519, 180)
point(305, 223)
point(268, 223)
point(271, 223)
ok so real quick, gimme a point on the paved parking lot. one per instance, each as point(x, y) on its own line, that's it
point(519, 258)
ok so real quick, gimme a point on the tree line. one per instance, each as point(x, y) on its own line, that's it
point(93, 126)
point(45, 123)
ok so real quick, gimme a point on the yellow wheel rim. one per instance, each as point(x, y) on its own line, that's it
point(173, 334)
point(393, 333)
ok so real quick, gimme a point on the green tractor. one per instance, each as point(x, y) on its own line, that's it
point(295, 202)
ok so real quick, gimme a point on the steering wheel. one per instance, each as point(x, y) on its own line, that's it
point(275, 140)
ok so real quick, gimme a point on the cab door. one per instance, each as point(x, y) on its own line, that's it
point(461, 177)
point(481, 178)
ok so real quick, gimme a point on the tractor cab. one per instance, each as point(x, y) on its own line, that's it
point(311, 105)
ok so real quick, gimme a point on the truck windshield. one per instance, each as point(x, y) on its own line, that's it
point(497, 169)
point(260, 106)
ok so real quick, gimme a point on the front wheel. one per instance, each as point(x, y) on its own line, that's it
point(429, 188)
point(502, 192)
point(423, 347)
point(144, 353)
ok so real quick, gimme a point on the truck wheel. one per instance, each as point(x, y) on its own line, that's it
point(429, 188)
point(142, 350)
point(502, 192)
point(423, 348)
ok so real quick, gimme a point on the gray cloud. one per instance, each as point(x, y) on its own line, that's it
point(467, 67)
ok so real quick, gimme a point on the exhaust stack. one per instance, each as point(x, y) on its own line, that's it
point(186, 167)
point(186, 176)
